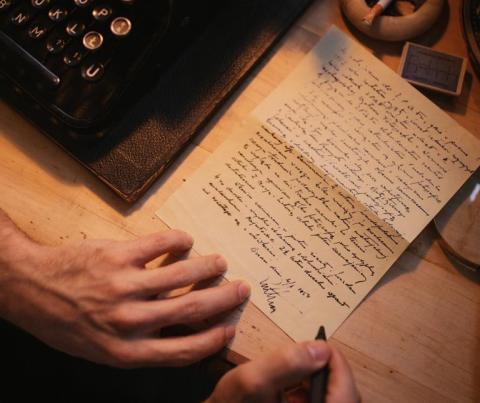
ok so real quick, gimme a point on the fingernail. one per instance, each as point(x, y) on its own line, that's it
point(221, 263)
point(230, 331)
point(319, 352)
point(189, 239)
point(243, 290)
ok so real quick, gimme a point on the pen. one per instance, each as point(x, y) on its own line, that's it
point(318, 388)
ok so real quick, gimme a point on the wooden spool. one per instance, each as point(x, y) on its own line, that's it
point(394, 28)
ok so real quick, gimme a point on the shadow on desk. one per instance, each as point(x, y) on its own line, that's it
point(33, 372)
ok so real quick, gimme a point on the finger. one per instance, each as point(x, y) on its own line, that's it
point(341, 384)
point(180, 351)
point(190, 308)
point(145, 249)
point(179, 274)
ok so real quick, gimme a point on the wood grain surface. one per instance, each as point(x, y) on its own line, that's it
point(416, 337)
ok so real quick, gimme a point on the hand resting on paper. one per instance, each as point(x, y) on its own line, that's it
point(265, 379)
point(95, 300)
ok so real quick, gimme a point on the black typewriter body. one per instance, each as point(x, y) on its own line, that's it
point(124, 85)
point(82, 60)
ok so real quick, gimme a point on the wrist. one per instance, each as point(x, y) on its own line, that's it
point(15, 246)
point(17, 254)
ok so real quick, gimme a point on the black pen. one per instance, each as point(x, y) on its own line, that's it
point(318, 387)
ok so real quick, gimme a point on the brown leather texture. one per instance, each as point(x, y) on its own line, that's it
point(132, 153)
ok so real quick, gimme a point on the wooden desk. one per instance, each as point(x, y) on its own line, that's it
point(417, 335)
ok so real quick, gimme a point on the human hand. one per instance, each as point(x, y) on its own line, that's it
point(95, 300)
point(265, 380)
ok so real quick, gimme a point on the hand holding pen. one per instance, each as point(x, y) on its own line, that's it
point(265, 380)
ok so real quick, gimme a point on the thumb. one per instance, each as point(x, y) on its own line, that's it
point(292, 365)
point(261, 380)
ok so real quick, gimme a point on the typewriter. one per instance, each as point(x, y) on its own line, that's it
point(124, 85)
point(80, 60)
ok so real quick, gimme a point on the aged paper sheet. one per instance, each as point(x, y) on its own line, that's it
point(317, 194)
point(372, 132)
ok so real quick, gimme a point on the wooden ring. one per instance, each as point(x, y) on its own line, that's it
point(389, 28)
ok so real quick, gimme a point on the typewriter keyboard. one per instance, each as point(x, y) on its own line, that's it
point(76, 55)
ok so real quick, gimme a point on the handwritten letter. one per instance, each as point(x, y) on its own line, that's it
point(371, 132)
point(315, 197)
